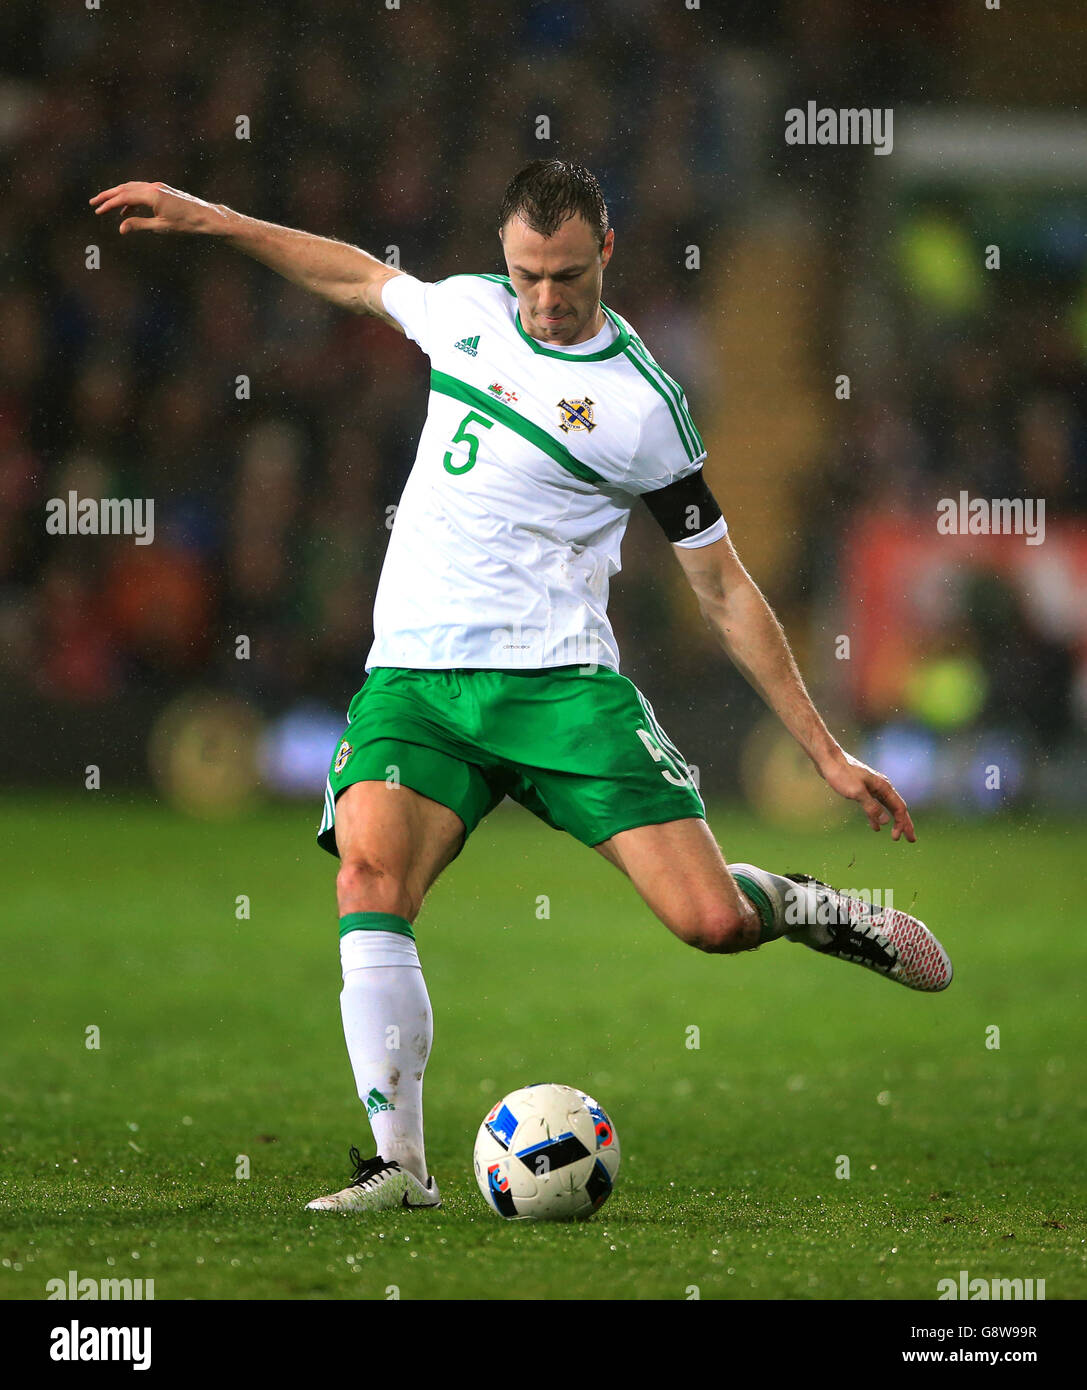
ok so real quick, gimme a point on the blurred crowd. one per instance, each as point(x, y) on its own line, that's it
point(982, 390)
point(393, 130)
point(275, 433)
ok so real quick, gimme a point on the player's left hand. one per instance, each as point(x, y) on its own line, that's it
point(878, 799)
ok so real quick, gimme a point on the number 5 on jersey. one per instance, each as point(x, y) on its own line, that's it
point(465, 436)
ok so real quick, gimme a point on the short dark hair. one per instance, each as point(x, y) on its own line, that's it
point(548, 191)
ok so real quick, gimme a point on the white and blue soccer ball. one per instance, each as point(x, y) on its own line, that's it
point(546, 1153)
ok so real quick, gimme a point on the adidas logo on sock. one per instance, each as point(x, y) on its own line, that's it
point(376, 1102)
point(469, 345)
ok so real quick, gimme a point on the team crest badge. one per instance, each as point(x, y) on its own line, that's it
point(342, 756)
point(576, 415)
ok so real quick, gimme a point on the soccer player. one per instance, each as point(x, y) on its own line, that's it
point(494, 671)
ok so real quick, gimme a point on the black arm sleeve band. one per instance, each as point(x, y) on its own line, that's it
point(683, 509)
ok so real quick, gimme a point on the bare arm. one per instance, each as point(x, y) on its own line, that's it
point(744, 623)
point(344, 275)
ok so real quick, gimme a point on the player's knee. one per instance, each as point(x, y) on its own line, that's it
point(719, 929)
point(364, 884)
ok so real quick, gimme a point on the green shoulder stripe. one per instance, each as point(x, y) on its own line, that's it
point(503, 280)
point(689, 436)
point(447, 385)
point(674, 387)
point(479, 275)
point(676, 392)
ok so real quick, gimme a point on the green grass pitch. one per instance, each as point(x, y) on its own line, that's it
point(221, 1038)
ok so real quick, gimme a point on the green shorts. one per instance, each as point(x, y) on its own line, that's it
point(583, 751)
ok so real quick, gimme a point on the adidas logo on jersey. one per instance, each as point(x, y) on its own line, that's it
point(469, 345)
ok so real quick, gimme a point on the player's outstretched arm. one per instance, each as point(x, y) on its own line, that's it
point(344, 275)
point(735, 609)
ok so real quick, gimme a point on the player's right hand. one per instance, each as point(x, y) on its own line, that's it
point(156, 207)
point(879, 801)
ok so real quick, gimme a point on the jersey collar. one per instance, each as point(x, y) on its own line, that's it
point(612, 350)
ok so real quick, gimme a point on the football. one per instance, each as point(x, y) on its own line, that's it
point(546, 1153)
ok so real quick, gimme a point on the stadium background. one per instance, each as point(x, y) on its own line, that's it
point(169, 1002)
point(399, 129)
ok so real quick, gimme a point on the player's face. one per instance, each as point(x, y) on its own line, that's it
point(557, 278)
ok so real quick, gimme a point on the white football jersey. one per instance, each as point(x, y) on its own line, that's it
point(509, 527)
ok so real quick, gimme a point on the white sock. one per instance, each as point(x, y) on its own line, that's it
point(785, 908)
point(388, 1028)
